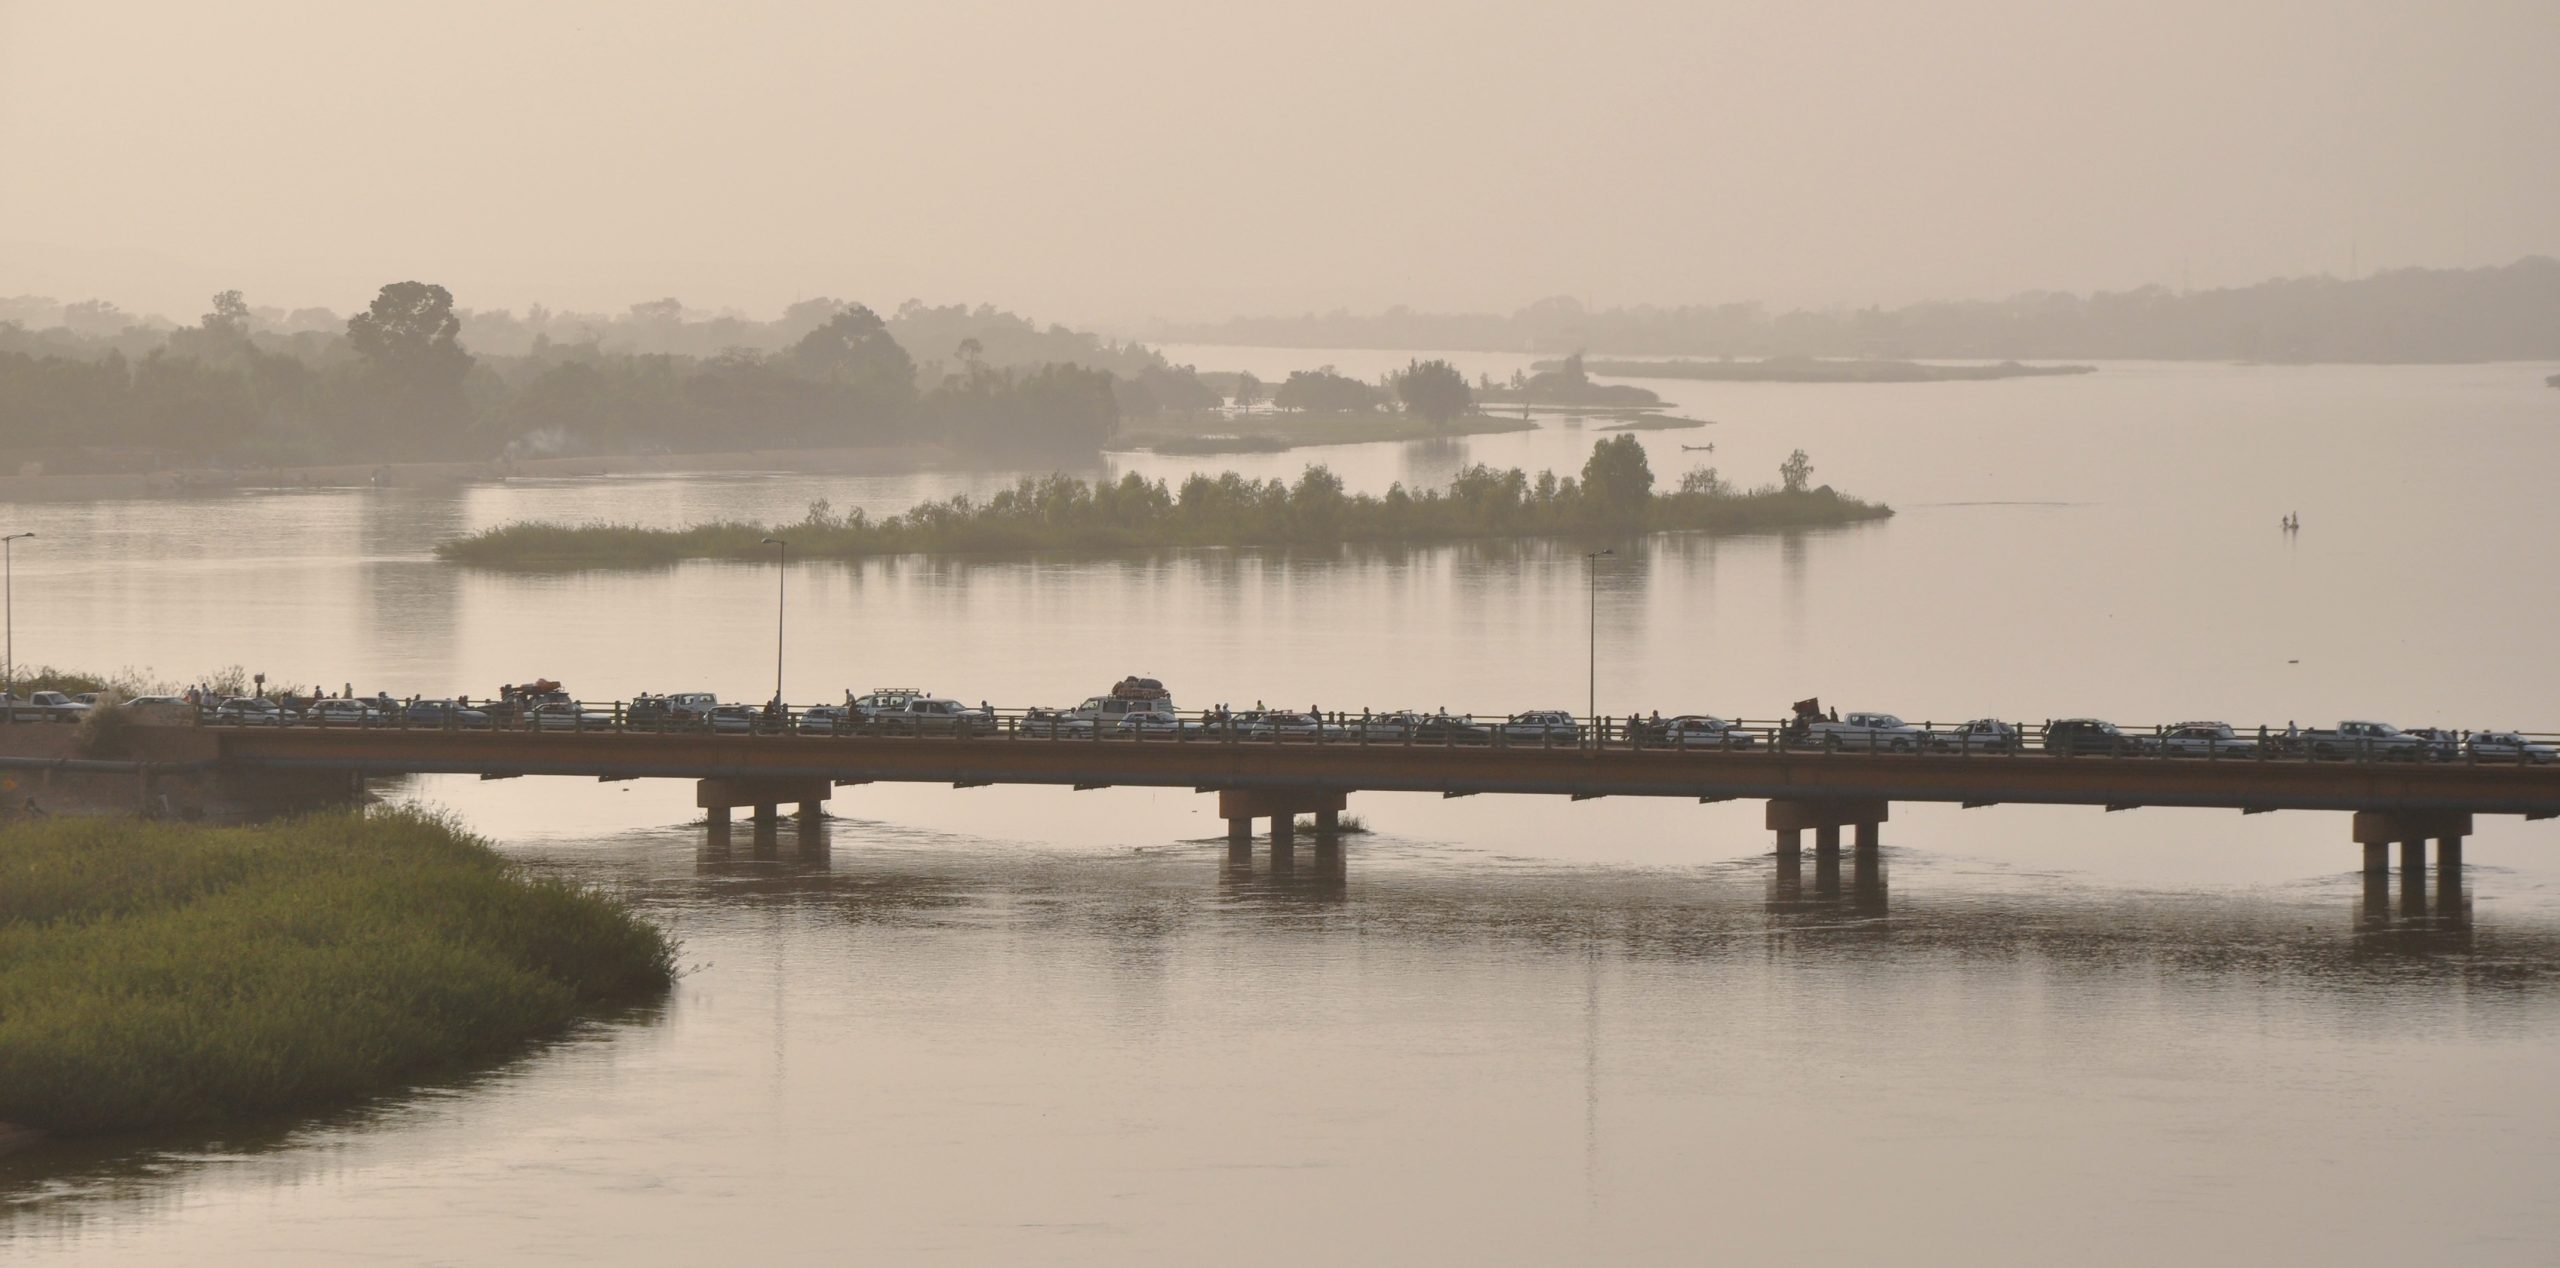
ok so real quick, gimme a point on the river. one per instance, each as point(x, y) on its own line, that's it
point(1027, 1024)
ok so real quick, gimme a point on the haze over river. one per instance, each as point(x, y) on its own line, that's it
point(1006, 1025)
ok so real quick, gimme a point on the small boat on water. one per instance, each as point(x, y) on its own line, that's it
point(1709, 447)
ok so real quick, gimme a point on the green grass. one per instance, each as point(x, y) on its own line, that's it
point(1345, 825)
point(164, 974)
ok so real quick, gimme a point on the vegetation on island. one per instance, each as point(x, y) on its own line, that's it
point(1614, 495)
point(160, 974)
point(1568, 383)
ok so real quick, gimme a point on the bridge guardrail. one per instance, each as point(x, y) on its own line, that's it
point(1600, 735)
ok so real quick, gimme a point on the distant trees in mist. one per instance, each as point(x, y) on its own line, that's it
point(413, 376)
point(2508, 313)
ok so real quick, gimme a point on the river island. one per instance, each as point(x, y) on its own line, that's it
point(1613, 496)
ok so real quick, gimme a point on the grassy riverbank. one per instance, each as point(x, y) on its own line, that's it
point(1613, 498)
point(157, 974)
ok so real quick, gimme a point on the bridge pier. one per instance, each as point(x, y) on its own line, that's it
point(1789, 817)
point(1282, 806)
point(766, 793)
point(2378, 830)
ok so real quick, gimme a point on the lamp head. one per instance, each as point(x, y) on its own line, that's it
point(775, 541)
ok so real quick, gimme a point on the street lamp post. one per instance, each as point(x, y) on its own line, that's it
point(781, 573)
point(9, 612)
point(1592, 708)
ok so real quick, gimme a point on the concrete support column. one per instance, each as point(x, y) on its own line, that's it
point(1790, 845)
point(718, 815)
point(809, 811)
point(1869, 837)
point(2448, 855)
point(1240, 832)
point(1789, 817)
point(767, 812)
point(2413, 877)
point(2376, 830)
point(1328, 823)
point(2377, 858)
point(1284, 831)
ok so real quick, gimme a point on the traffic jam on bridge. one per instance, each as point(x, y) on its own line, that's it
point(1139, 709)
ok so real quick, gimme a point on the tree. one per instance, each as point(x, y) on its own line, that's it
point(414, 367)
point(1326, 391)
point(1434, 389)
point(1796, 473)
point(1249, 390)
point(1617, 482)
point(230, 316)
point(854, 352)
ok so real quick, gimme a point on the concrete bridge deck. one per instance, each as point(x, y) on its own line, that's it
point(1807, 791)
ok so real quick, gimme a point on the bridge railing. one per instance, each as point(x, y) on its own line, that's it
point(1646, 733)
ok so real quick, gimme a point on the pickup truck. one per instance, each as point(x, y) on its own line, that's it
point(2353, 740)
point(1865, 733)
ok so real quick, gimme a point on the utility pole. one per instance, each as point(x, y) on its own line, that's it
point(781, 575)
point(9, 613)
point(1591, 707)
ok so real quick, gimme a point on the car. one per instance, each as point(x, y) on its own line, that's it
point(737, 719)
point(1547, 725)
point(252, 711)
point(936, 715)
point(2205, 739)
point(830, 719)
point(2441, 745)
point(1866, 733)
point(56, 705)
point(1444, 728)
point(566, 715)
point(344, 713)
point(444, 713)
point(1278, 724)
point(162, 710)
point(1982, 735)
point(2510, 746)
point(2074, 737)
point(2379, 740)
point(1695, 730)
point(1148, 722)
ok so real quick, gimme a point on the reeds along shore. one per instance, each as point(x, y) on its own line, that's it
point(1062, 513)
point(156, 974)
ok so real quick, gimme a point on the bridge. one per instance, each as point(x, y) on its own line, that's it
point(1277, 778)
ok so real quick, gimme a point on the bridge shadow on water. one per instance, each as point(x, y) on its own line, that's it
point(2347, 933)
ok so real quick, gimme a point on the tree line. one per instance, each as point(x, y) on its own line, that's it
point(414, 377)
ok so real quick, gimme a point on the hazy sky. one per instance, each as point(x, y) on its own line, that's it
point(1107, 161)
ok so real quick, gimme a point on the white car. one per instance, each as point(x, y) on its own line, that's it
point(933, 715)
point(1540, 724)
point(567, 715)
point(342, 713)
point(1697, 730)
point(1982, 735)
point(1867, 733)
point(1278, 724)
point(253, 711)
point(2205, 739)
point(734, 719)
point(2509, 746)
point(1148, 722)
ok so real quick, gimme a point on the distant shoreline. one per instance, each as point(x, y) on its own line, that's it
point(180, 482)
point(1280, 430)
point(1821, 370)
